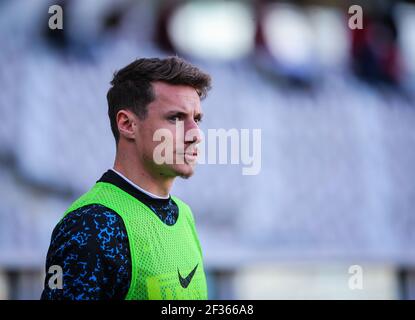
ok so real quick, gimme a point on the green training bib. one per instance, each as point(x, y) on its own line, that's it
point(167, 261)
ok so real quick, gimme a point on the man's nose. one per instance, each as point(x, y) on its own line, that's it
point(193, 133)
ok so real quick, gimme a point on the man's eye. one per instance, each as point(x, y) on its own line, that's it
point(198, 120)
point(174, 118)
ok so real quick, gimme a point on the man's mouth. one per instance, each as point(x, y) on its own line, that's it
point(189, 156)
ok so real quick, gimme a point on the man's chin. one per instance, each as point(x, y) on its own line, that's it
point(184, 171)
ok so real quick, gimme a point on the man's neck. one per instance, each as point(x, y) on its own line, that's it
point(152, 195)
point(159, 187)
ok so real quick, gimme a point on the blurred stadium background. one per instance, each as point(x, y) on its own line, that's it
point(336, 110)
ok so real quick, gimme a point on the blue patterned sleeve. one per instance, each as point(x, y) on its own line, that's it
point(91, 246)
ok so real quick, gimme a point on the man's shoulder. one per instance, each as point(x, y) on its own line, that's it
point(184, 208)
point(91, 210)
point(88, 243)
point(85, 200)
point(180, 202)
point(87, 217)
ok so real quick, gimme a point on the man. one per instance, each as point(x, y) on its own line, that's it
point(127, 237)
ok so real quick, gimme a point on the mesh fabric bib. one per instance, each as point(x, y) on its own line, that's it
point(166, 260)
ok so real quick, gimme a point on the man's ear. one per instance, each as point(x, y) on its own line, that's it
point(127, 124)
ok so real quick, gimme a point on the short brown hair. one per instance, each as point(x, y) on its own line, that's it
point(131, 86)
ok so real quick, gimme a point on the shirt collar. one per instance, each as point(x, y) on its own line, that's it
point(111, 176)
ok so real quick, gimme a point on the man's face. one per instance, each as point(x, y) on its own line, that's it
point(176, 109)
